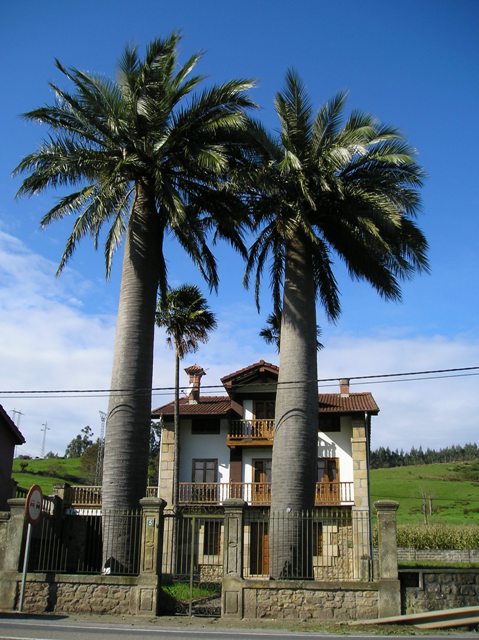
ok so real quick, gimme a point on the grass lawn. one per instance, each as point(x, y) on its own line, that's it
point(452, 490)
point(48, 472)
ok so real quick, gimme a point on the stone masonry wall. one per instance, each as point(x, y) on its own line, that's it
point(312, 601)
point(430, 590)
point(80, 594)
point(439, 555)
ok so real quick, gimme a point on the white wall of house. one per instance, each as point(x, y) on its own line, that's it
point(212, 446)
point(338, 445)
point(250, 454)
point(248, 410)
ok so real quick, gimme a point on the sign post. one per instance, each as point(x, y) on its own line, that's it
point(33, 514)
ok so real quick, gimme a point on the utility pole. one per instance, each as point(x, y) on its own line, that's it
point(16, 417)
point(45, 429)
point(101, 449)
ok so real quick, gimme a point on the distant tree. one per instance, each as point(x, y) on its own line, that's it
point(23, 465)
point(89, 459)
point(51, 454)
point(384, 457)
point(80, 443)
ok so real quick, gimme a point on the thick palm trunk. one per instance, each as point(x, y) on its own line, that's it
point(296, 420)
point(128, 424)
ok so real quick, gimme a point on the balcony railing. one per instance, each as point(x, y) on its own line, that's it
point(251, 431)
point(89, 497)
point(215, 493)
point(258, 493)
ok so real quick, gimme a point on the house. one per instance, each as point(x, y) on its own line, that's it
point(10, 436)
point(226, 442)
point(225, 445)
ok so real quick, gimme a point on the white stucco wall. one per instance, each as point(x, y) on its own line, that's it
point(330, 445)
point(338, 445)
point(248, 410)
point(203, 446)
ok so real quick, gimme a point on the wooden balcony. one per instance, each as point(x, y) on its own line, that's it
point(258, 493)
point(89, 497)
point(251, 433)
point(215, 493)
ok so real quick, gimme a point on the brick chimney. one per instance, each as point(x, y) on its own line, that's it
point(344, 387)
point(196, 373)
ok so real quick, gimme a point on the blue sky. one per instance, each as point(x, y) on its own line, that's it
point(412, 64)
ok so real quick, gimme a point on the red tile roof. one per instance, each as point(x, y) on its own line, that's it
point(352, 403)
point(8, 422)
point(260, 367)
point(222, 405)
point(207, 406)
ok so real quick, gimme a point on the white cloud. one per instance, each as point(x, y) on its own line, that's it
point(49, 342)
point(50, 339)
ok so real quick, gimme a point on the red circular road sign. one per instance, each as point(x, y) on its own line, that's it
point(33, 504)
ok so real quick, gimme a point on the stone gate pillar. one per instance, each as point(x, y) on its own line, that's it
point(360, 511)
point(150, 555)
point(231, 593)
point(389, 586)
point(15, 528)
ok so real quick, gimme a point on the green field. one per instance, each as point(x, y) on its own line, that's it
point(451, 489)
point(48, 472)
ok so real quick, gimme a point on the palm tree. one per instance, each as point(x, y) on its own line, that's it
point(187, 318)
point(326, 189)
point(271, 333)
point(146, 156)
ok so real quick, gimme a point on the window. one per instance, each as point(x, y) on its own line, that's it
point(212, 537)
point(205, 470)
point(264, 409)
point(328, 469)
point(205, 426)
point(329, 422)
point(317, 538)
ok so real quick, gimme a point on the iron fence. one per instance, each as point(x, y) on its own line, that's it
point(192, 561)
point(75, 543)
point(20, 492)
point(324, 544)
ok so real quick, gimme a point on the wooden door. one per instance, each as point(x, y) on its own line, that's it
point(261, 493)
point(327, 489)
point(259, 548)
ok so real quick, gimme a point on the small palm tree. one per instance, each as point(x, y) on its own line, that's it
point(144, 156)
point(187, 319)
point(324, 189)
point(271, 333)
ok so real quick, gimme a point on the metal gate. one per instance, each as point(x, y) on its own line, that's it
point(192, 562)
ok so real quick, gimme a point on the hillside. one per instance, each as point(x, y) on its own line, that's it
point(49, 472)
point(450, 489)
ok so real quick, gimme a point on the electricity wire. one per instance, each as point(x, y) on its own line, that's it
point(384, 378)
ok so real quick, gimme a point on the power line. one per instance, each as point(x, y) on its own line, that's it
point(383, 378)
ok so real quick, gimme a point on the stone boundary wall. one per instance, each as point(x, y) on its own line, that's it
point(439, 555)
point(117, 595)
point(299, 600)
point(432, 589)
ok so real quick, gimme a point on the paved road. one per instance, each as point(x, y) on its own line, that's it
point(13, 627)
